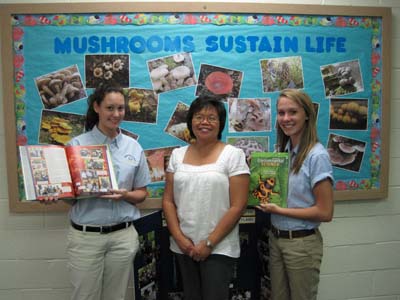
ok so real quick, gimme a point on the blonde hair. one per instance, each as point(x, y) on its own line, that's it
point(309, 137)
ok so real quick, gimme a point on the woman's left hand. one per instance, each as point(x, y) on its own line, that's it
point(201, 251)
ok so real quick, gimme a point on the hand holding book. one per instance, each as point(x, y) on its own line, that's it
point(269, 208)
point(116, 195)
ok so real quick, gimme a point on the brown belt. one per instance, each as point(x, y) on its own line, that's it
point(101, 229)
point(291, 234)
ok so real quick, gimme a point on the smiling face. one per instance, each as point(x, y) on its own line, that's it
point(205, 123)
point(292, 119)
point(111, 112)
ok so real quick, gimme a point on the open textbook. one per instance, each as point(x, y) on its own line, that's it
point(269, 178)
point(66, 171)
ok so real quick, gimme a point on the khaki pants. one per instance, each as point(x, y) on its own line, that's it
point(100, 264)
point(295, 267)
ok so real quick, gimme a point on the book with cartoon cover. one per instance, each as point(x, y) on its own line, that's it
point(269, 178)
point(66, 171)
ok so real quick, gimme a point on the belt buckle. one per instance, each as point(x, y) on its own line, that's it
point(290, 235)
point(105, 229)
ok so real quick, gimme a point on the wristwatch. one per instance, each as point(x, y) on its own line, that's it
point(209, 244)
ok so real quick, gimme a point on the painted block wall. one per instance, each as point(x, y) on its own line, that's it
point(362, 243)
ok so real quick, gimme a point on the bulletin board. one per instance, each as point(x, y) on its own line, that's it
point(166, 54)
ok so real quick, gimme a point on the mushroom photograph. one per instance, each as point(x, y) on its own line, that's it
point(129, 133)
point(58, 128)
point(281, 73)
point(346, 153)
point(316, 108)
point(156, 160)
point(342, 78)
point(177, 124)
point(110, 68)
point(60, 87)
point(250, 144)
point(172, 72)
point(348, 114)
point(249, 114)
point(142, 105)
point(218, 82)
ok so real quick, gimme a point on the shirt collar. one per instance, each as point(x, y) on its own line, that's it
point(101, 138)
point(293, 151)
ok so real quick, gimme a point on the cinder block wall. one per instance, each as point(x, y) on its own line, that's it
point(362, 243)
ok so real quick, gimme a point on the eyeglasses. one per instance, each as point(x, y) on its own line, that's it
point(210, 119)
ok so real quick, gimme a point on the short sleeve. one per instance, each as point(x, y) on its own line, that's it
point(320, 168)
point(176, 157)
point(172, 162)
point(236, 162)
point(73, 142)
point(142, 176)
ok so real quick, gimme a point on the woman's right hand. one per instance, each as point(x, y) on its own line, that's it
point(186, 245)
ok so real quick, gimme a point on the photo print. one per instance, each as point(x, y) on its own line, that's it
point(94, 175)
point(92, 153)
point(148, 250)
point(281, 73)
point(249, 114)
point(346, 153)
point(46, 190)
point(129, 133)
point(107, 68)
point(39, 169)
point(172, 72)
point(40, 176)
point(316, 109)
point(147, 259)
point(158, 160)
point(58, 128)
point(60, 87)
point(142, 105)
point(218, 82)
point(348, 114)
point(147, 279)
point(177, 124)
point(95, 183)
point(149, 292)
point(342, 78)
point(249, 144)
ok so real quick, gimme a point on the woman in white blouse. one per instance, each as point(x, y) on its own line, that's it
point(205, 195)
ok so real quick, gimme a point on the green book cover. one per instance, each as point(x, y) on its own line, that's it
point(269, 178)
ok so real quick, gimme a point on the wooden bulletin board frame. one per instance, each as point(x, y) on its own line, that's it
point(276, 10)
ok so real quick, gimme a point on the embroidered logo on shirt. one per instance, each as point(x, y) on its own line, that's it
point(129, 157)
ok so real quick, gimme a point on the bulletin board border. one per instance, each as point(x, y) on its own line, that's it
point(8, 10)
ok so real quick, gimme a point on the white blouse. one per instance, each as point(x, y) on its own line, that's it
point(201, 195)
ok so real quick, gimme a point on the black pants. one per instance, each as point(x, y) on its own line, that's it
point(206, 280)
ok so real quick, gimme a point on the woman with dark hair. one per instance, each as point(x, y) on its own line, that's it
point(205, 194)
point(102, 241)
point(295, 241)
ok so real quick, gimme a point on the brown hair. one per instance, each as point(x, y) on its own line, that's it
point(92, 117)
point(309, 137)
